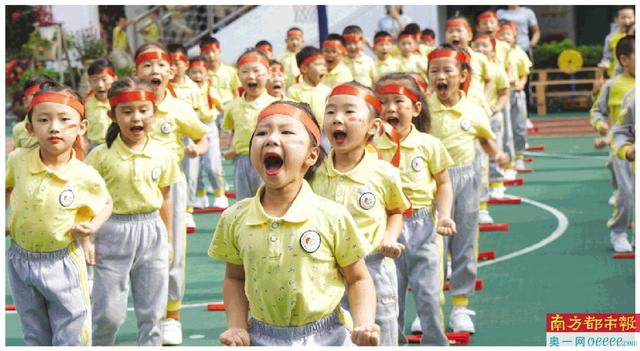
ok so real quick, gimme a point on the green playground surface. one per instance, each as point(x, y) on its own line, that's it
point(573, 273)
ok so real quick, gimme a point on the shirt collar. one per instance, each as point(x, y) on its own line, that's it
point(261, 102)
point(360, 173)
point(167, 103)
point(94, 102)
point(36, 165)
point(411, 141)
point(436, 106)
point(126, 152)
point(297, 213)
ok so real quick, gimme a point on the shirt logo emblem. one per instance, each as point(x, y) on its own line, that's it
point(465, 124)
point(310, 241)
point(165, 128)
point(417, 164)
point(367, 200)
point(155, 173)
point(66, 198)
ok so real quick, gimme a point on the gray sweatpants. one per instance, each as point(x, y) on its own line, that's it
point(496, 173)
point(519, 121)
point(246, 180)
point(211, 162)
point(507, 132)
point(328, 331)
point(420, 267)
point(481, 167)
point(130, 249)
point(624, 208)
point(51, 295)
point(191, 169)
point(385, 280)
point(462, 246)
point(177, 279)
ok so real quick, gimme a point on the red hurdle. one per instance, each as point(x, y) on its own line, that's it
point(517, 181)
point(493, 227)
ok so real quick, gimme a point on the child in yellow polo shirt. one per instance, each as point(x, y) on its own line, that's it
point(101, 76)
point(456, 121)
point(294, 41)
point(410, 58)
point(385, 63)
point(624, 19)
point(423, 161)
point(133, 248)
point(265, 48)
point(173, 121)
point(53, 199)
point(487, 22)
point(224, 79)
point(333, 49)
point(362, 67)
point(289, 253)
point(369, 189)
point(20, 134)
point(427, 41)
point(240, 118)
point(276, 83)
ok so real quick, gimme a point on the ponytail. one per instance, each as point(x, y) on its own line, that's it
point(112, 133)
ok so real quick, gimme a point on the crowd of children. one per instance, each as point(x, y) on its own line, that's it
point(356, 178)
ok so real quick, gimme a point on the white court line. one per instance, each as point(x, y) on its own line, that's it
point(130, 309)
point(554, 155)
point(563, 223)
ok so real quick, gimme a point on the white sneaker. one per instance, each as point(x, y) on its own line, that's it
point(612, 200)
point(221, 202)
point(171, 332)
point(497, 193)
point(201, 202)
point(520, 164)
point(209, 189)
point(415, 326)
point(529, 124)
point(189, 221)
point(620, 242)
point(510, 174)
point(448, 270)
point(460, 320)
point(484, 218)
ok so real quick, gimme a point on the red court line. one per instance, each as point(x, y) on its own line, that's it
point(479, 285)
point(524, 170)
point(486, 255)
point(10, 308)
point(535, 148)
point(217, 306)
point(209, 210)
point(493, 227)
point(517, 181)
point(630, 255)
point(515, 201)
point(454, 338)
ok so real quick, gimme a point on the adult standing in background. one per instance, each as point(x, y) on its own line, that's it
point(394, 22)
point(526, 21)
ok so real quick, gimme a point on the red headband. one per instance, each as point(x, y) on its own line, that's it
point(178, 56)
point(264, 47)
point(32, 90)
point(107, 71)
point(428, 37)
point(459, 23)
point(59, 98)
point(152, 55)
point(346, 89)
point(209, 46)
point(311, 58)
point(293, 112)
point(276, 68)
point(352, 37)
point(253, 58)
point(334, 44)
point(398, 89)
point(294, 33)
point(487, 15)
point(405, 36)
point(509, 26)
point(486, 36)
point(383, 39)
point(198, 63)
point(421, 84)
point(135, 95)
point(448, 53)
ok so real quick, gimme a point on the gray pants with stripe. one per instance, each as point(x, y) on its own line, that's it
point(246, 180)
point(420, 267)
point(481, 167)
point(462, 246)
point(211, 162)
point(51, 295)
point(177, 268)
point(519, 120)
point(130, 250)
point(328, 331)
point(385, 280)
point(507, 132)
point(495, 172)
point(624, 207)
point(191, 168)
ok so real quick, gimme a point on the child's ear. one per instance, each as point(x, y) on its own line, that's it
point(304, 69)
point(133, 72)
point(83, 126)
point(28, 126)
point(463, 74)
point(313, 156)
point(374, 128)
point(417, 108)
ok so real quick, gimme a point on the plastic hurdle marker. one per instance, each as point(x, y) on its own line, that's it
point(479, 285)
point(454, 338)
point(230, 194)
point(486, 255)
point(216, 306)
point(517, 181)
point(191, 230)
point(10, 308)
point(524, 170)
point(493, 227)
point(532, 130)
point(505, 201)
point(626, 255)
point(528, 159)
point(209, 210)
point(535, 148)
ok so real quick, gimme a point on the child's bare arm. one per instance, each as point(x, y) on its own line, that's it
point(236, 307)
point(490, 147)
point(390, 246)
point(166, 214)
point(89, 250)
point(444, 200)
point(503, 97)
point(200, 147)
point(80, 230)
point(521, 82)
point(7, 197)
point(362, 300)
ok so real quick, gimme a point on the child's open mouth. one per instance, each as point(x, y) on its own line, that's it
point(277, 86)
point(339, 136)
point(442, 88)
point(273, 163)
point(455, 42)
point(252, 85)
point(394, 121)
point(156, 83)
point(137, 130)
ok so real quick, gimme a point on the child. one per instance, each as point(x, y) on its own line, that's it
point(240, 118)
point(294, 281)
point(224, 79)
point(624, 19)
point(133, 247)
point(428, 39)
point(362, 68)
point(423, 162)
point(294, 41)
point(456, 121)
point(385, 63)
point(265, 48)
point(211, 161)
point(606, 113)
point(624, 134)
point(120, 52)
point(56, 200)
point(21, 136)
point(334, 49)
point(310, 89)
point(173, 121)
point(150, 29)
point(410, 58)
point(276, 83)
point(368, 188)
point(487, 22)
point(101, 76)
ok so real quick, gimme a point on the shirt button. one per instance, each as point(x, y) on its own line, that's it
point(341, 179)
point(274, 225)
point(273, 238)
point(339, 192)
point(42, 188)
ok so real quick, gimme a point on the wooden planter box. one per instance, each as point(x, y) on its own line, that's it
point(541, 79)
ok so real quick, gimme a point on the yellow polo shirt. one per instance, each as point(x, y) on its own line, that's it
point(206, 114)
point(338, 75)
point(499, 81)
point(521, 60)
point(290, 65)
point(45, 204)
point(174, 120)
point(412, 63)
point(151, 31)
point(316, 97)
point(613, 43)
point(119, 39)
point(189, 92)
point(241, 116)
point(422, 156)
point(224, 82)
point(367, 191)
point(480, 74)
point(458, 127)
point(99, 120)
point(291, 263)
point(21, 136)
point(390, 65)
point(362, 69)
point(134, 179)
point(502, 52)
point(425, 50)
